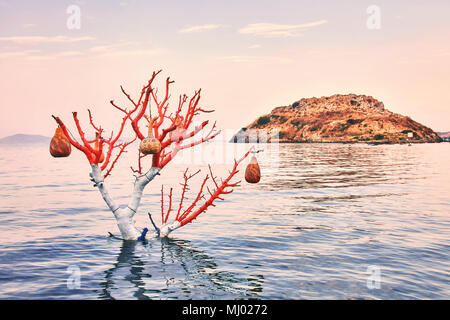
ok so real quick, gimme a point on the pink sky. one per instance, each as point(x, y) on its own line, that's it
point(247, 56)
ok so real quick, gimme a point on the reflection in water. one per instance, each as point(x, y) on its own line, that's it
point(126, 257)
point(326, 166)
point(179, 266)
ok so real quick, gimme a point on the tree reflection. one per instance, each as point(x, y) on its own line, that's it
point(173, 269)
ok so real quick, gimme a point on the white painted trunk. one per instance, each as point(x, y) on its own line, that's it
point(124, 216)
point(167, 228)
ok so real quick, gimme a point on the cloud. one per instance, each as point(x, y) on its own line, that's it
point(256, 59)
point(278, 30)
point(29, 25)
point(101, 51)
point(38, 54)
point(41, 39)
point(12, 54)
point(254, 46)
point(126, 48)
point(199, 28)
point(442, 53)
point(62, 54)
point(137, 52)
point(69, 53)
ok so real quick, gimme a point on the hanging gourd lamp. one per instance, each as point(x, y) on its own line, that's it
point(96, 148)
point(179, 131)
point(150, 145)
point(252, 172)
point(60, 145)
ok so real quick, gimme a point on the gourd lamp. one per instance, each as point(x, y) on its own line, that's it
point(60, 145)
point(150, 145)
point(252, 172)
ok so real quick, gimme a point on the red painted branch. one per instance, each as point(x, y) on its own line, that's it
point(183, 136)
point(170, 206)
point(81, 133)
point(194, 203)
point(216, 195)
point(162, 204)
point(122, 149)
point(92, 122)
point(112, 143)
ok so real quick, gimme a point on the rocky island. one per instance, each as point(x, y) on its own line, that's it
point(338, 118)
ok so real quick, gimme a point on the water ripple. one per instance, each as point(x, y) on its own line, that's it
point(312, 228)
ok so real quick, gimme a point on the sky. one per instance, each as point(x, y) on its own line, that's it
point(248, 57)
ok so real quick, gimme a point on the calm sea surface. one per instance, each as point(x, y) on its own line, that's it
point(330, 221)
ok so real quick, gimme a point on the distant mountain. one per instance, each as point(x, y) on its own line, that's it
point(31, 138)
point(444, 134)
point(24, 138)
point(339, 118)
